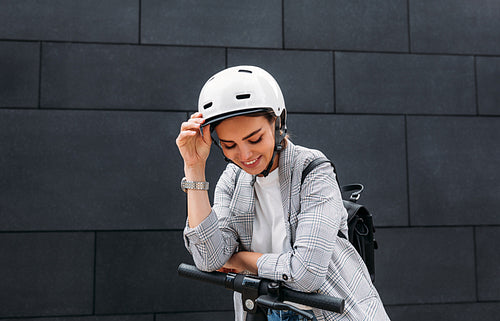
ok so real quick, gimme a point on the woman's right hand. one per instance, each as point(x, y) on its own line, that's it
point(194, 147)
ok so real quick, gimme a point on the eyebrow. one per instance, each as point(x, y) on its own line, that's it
point(244, 138)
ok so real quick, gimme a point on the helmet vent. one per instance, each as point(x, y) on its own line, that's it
point(208, 105)
point(242, 96)
point(245, 70)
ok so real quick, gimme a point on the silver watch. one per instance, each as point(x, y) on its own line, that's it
point(185, 185)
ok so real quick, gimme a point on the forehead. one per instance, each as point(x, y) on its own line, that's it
point(240, 126)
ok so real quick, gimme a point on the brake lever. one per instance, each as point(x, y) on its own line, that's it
point(274, 303)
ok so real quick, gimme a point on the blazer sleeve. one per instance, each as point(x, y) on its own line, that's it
point(305, 267)
point(214, 240)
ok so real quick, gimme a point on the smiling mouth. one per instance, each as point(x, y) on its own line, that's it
point(251, 162)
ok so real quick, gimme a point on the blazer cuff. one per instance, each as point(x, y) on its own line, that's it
point(273, 266)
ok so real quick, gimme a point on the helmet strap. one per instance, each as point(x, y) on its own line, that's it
point(278, 138)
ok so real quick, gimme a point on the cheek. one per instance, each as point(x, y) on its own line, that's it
point(230, 153)
point(269, 146)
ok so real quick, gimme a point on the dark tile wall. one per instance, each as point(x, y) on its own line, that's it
point(125, 76)
point(346, 25)
point(19, 79)
point(404, 84)
point(442, 268)
point(70, 20)
point(221, 23)
point(79, 169)
point(145, 263)
point(403, 96)
point(488, 75)
point(95, 318)
point(454, 26)
point(456, 312)
point(450, 162)
point(46, 273)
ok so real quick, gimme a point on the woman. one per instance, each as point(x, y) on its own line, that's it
point(264, 221)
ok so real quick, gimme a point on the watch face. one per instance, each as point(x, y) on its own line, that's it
point(183, 184)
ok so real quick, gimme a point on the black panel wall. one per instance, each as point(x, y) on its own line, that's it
point(403, 95)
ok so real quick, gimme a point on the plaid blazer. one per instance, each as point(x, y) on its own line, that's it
point(316, 259)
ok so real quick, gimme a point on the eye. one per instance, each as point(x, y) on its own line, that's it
point(226, 146)
point(256, 141)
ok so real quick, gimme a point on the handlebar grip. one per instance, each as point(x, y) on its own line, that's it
point(315, 300)
point(190, 271)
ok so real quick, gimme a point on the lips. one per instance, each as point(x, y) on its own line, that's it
point(252, 163)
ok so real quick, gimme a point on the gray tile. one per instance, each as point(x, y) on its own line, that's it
point(488, 85)
point(439, 312)
point(413, 84)
point(125, 77)
point(136, 272)
point(19, 74)
point(212, 23)
point(92, 318)
point(346, 25)
point(305, 77)
point(455, 26)
point(488, 257)
point(366, 149)
point(46, 274)
point(425, 265)
point(453, 167)
point(197, 316)
point(70, 20)
point(90, 170)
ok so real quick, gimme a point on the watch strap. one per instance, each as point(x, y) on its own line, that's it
point(201, 186)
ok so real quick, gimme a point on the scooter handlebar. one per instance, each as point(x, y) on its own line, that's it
point(315, 300)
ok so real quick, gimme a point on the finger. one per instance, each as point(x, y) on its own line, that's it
point(190, 125)
point(184, 137)
point(196, 115)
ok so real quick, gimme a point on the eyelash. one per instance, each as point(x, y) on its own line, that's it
point(256, 141)
point(251, 142)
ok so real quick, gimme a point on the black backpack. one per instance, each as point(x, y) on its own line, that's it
point(359, 222)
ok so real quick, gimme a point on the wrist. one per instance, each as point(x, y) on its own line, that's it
point(194, 173)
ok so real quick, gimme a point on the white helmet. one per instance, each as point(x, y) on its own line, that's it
point(243, 90)
point(238, 91)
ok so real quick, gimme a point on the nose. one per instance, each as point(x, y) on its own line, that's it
point(245, 153)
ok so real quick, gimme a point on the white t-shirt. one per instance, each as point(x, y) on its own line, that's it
point(269, 230)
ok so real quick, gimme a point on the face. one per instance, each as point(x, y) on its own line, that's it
point(248, 142)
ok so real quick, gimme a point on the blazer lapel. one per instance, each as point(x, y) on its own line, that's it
point(285, 173)
point(243, 208)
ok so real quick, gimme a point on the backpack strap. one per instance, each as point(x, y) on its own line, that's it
point(313, 164)
point(319, 161)
point(355, 188)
